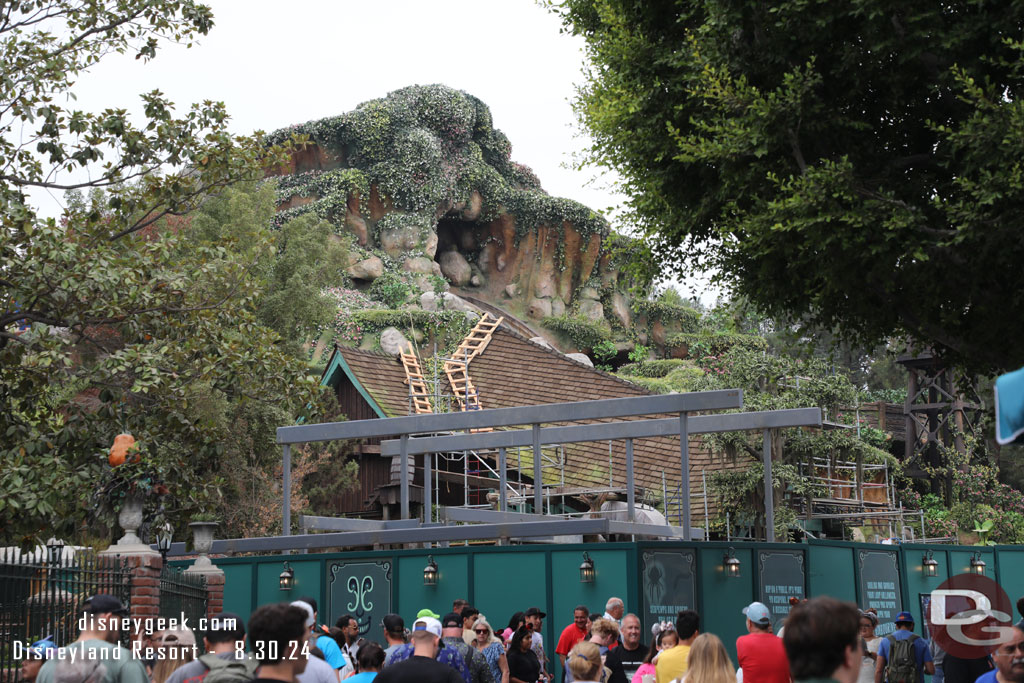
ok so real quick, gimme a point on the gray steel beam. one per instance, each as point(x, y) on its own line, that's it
point(431, 534)
point(316, 523)
point(604, 431)
point(403, 475)
point(477, 515)
point(538, 481)
point(684, 474)
point(502, 480)
point(428, 487)
point(506, 417)
point(769, 489)
point(286, 488)
point(630, 484)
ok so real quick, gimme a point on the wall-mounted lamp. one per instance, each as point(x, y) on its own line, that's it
point(430, 572)
point(287, 578)
point(730, 564)
point(587, 571)
point(977, 565)
point(929, 566)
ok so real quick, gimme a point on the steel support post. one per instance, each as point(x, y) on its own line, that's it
point(684, 472)
point(428, 487)
point(286, 488)
point(630, 487)
point(769, 490)
point(403, 476)
point(538, 483)
point(502, 480)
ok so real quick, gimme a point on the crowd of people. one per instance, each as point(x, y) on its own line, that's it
point(822, 639)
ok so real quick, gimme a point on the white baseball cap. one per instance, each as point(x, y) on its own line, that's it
point(428, 624)
point(309, 611)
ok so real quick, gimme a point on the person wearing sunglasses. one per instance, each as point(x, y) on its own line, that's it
point(491, 648)
point(869, 643)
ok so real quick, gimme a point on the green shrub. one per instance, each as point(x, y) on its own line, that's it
point(390, 290)
point(651, 368)
point(688, 319)
point(704, 344)
point(585, 334)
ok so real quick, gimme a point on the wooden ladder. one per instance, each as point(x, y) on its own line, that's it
point(417, 385)
point(458, 370)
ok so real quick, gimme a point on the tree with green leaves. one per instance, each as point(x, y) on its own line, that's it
point(855, 165)
point(154, 305)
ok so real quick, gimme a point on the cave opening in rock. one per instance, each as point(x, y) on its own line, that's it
point(458, 249)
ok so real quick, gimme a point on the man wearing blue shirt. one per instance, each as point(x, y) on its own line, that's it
point(1009, 659)
point(332, 653)
point(904, 631)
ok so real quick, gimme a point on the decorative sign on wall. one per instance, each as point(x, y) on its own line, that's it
point(362, 589)
point(880, 586)
point(669, 585)
point(781, 577)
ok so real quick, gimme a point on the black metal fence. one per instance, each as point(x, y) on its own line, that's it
point(40, 593)
point(182, 595)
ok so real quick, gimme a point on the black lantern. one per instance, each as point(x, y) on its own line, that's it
point(287, 578)
point(163, 540)
point(430, 572)
point(54, 551)
point(730, 564)
point(977, 565)
point(587, 571)
point(929, 566)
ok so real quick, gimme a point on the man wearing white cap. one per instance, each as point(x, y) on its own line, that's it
point(317, 670)
point(422, 667)
point(761, 653)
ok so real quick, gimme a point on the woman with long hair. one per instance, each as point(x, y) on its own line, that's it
point(516, 622)
point(523, 665)
point(709, 662)
point(177, 648)
point(491, 648)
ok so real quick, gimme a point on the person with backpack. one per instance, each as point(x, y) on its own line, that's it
point(903, 656)
point(225, 660)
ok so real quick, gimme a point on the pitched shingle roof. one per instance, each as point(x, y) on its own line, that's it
point(514, 371)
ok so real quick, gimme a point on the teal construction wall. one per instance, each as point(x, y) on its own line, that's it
point(502, 580)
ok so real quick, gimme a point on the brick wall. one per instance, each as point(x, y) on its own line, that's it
point(145, 594)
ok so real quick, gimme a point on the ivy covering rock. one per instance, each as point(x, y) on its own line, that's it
point(424, 186)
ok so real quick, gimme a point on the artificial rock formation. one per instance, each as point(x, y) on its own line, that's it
point(424, 186)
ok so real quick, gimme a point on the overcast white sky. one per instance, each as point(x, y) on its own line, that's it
point(278, 63)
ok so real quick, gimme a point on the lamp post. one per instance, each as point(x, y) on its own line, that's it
point(977, 565)
point(163, 540)
point(54, 552)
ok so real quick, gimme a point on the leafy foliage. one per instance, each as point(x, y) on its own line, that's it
point(427, 149)
point(389, 289)
point(584, 333)
point(855, 165)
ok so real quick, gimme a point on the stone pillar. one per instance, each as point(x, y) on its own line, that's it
point(215, 594)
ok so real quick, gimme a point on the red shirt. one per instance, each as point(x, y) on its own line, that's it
point(570, 636)
point(762, 658)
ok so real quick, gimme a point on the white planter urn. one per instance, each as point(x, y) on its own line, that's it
point(130, 519)
point(202, 541)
